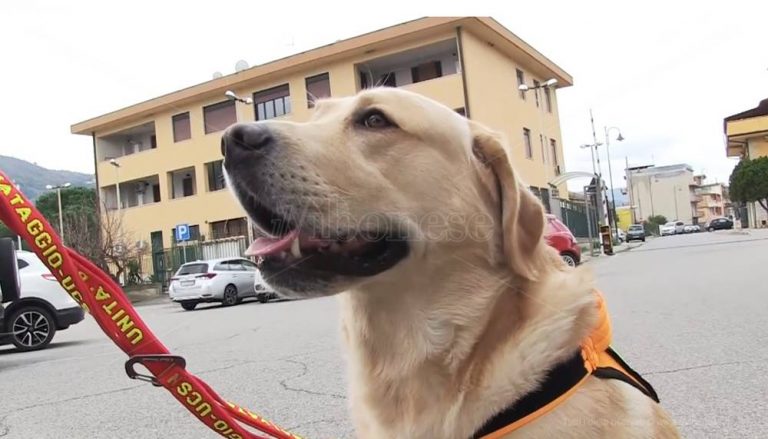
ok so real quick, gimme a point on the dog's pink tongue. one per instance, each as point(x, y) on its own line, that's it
point(268, 246)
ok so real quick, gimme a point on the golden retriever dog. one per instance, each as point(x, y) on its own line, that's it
point(453, 306)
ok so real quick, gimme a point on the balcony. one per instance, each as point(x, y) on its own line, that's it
point(411, 67)
point(126, 142)
point(133, 193)
point(182, 183)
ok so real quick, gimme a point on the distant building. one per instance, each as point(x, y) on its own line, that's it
point(663, 190)
point(713, 199)
point(747, 137)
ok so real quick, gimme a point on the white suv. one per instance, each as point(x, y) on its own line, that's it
point(31, 315)
point(225, 280)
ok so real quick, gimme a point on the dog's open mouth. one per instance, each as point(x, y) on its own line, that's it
point(353, 253)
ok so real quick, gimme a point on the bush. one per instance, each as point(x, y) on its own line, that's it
point(651, 225)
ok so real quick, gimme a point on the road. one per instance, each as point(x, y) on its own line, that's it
point(689, 312)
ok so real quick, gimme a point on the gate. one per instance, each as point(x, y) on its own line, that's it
point(574, 215)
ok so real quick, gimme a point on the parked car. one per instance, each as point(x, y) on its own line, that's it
point(34, 306)
point(636, 232)
point(667, 229)
point(224, 280)
point(720, 224)
point(692, 228)
point(560, 237)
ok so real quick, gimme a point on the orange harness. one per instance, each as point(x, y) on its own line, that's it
point(595, 358)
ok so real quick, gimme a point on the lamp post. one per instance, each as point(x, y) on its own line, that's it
point(58, 189)
point(116, 164)
point(610, 176)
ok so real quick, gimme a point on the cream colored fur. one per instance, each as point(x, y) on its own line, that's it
point(462, 327)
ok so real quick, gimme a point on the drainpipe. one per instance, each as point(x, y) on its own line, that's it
point(460, 47)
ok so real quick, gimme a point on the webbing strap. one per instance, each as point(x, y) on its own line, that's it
point(105, 301)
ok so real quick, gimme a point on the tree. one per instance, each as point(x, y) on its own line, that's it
point(101, 239)
point(651, 225)
point(749, 182)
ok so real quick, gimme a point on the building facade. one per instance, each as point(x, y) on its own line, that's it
point(670, 191)
point(746, 136)
point(159, 162)
point(713, 201)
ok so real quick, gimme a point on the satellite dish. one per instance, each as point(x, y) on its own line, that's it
point(217, 75)
point(241, 65)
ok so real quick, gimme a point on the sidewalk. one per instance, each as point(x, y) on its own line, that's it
point(623, 247)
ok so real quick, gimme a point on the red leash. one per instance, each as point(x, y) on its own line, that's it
point(100, 296)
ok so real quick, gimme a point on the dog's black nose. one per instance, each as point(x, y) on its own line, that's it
point(246, 137)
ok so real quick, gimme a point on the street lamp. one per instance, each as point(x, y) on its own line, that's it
point(116, 164)
point(233, 97)
point(610, 174)
point(58, 188)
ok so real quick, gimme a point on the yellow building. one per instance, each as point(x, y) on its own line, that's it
point(164, 154)
point(747, 137)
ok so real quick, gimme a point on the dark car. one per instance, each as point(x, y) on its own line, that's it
point(560, 237)
point(636, 232)
point(720, 224)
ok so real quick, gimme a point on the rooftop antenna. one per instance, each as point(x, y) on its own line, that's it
point(241, 65)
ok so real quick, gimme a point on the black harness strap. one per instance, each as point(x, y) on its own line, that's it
point(558, 381)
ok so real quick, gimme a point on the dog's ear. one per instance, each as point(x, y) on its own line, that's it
point(520, 213)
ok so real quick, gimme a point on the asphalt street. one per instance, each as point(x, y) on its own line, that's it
point(689, 312)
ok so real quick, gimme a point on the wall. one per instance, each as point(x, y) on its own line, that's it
point(758, 147)
point(667, 195)
point(495, 101)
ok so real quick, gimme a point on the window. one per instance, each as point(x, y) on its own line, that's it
point(215, 175)
point(388, 80)
point(182, 183)
point(426, 71)
point(553, 146)
point(536, 85)
point(521, 81)
point(249, 266)
point(548, 98)
point(318, 87)
point(181, 127)
point(229, 228)
point(271, 103)
point(527, 143)
point(153, 141)
point(219, 116)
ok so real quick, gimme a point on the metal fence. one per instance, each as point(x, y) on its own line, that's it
point(166, 262)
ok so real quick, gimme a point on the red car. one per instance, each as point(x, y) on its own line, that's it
point(560, 237)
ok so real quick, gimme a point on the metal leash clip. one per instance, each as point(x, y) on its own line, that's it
point(174, 360)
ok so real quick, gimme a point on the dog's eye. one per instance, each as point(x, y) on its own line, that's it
point(375, 119)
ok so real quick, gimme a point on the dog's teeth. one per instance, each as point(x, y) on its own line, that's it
point(295, 248)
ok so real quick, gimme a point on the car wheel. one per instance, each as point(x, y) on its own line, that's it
point(32, 328)
point(568, 259)
point(189, 305)
point(643, 239)
point(230, 295)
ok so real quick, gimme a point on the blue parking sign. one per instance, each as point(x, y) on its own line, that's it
point(182, 232)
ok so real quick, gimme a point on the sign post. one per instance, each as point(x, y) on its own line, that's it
point(182, 235)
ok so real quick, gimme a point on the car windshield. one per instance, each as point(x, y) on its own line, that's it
point(192, 269)
point(635, 228)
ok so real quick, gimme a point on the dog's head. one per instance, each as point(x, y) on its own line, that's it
point(375, 184)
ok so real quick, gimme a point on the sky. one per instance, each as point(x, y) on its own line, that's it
point(665, 73)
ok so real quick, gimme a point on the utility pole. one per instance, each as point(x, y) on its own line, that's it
point(599, 188)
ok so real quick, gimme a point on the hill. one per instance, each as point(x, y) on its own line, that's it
point(32, 178)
